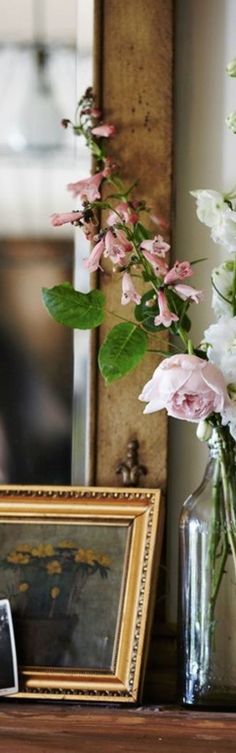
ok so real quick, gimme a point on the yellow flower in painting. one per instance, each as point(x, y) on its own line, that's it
point(86, 556)
point(67, 544)
point(103, 560)
point(54, 567)
point(23, 548)
point(23, 587)
point(43, 550)
point(18, 558)
point(55, 592)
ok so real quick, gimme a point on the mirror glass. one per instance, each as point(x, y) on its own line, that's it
point(45, 66)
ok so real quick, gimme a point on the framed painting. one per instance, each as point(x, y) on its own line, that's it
point(79, 566)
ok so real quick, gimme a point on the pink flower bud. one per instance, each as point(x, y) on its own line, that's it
point(93, 262)
point(104, 130)
point(95, 112)
point(62, 219)
point(186, 292)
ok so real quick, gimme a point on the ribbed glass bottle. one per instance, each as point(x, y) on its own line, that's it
point(207, 613)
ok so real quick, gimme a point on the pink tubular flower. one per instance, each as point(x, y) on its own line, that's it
point(157, 220)
point(166, 316)
point(104, 130)
point(62, 219)
point(87, 189)
point(189, 387)
point(160, 267)
point(93, 262)
point(156, 246)
point(186, 292)
point(123, 211)
point(117, 246)
point(128, 290)
point(179, 271)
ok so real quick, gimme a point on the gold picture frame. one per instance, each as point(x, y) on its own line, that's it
point(83, 560)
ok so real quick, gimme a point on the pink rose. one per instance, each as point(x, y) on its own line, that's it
point(187, 386)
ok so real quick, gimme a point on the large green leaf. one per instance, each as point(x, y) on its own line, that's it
point(74, 309)
point(122, 350)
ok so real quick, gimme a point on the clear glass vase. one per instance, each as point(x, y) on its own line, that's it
point(207, 614)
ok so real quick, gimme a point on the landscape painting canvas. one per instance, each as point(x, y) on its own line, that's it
point(64, 586)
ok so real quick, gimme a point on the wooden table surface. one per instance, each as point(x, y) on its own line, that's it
point(49, 728)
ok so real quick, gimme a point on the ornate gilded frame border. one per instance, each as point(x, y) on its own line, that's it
point(142, 510)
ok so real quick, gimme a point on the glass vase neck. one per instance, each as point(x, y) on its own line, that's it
point(221, 444)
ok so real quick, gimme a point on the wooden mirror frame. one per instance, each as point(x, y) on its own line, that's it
point(133, 60)
point(133, 80)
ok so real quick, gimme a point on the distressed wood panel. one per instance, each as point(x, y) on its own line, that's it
point(136, 94)
point(44, 729)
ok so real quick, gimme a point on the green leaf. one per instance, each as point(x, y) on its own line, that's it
point(122, 350)
point(180, 308)
point(141, 233)
point(74, 309)
point(146, 315)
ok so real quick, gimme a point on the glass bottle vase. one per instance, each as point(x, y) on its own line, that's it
point(207, 614)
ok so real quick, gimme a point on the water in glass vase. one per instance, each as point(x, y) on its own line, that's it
point(207, 619)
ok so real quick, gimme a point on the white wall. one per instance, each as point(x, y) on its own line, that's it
point(205, 157)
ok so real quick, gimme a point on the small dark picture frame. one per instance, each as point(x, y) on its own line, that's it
point(8, 660)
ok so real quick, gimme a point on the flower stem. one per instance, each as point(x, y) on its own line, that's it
point(183, 336)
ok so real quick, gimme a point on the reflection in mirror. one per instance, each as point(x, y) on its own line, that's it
point(45, 65)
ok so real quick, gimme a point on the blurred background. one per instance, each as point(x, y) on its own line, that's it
point(45, 66)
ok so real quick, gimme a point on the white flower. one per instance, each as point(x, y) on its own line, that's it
point(225, 231)
point(210, 206)
point(222, 279)
point(221, 346)
point(204, 430)
point(231, 121)
point(221, 339)
point(231, 68)
point(228, 416)
point(232, 428)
